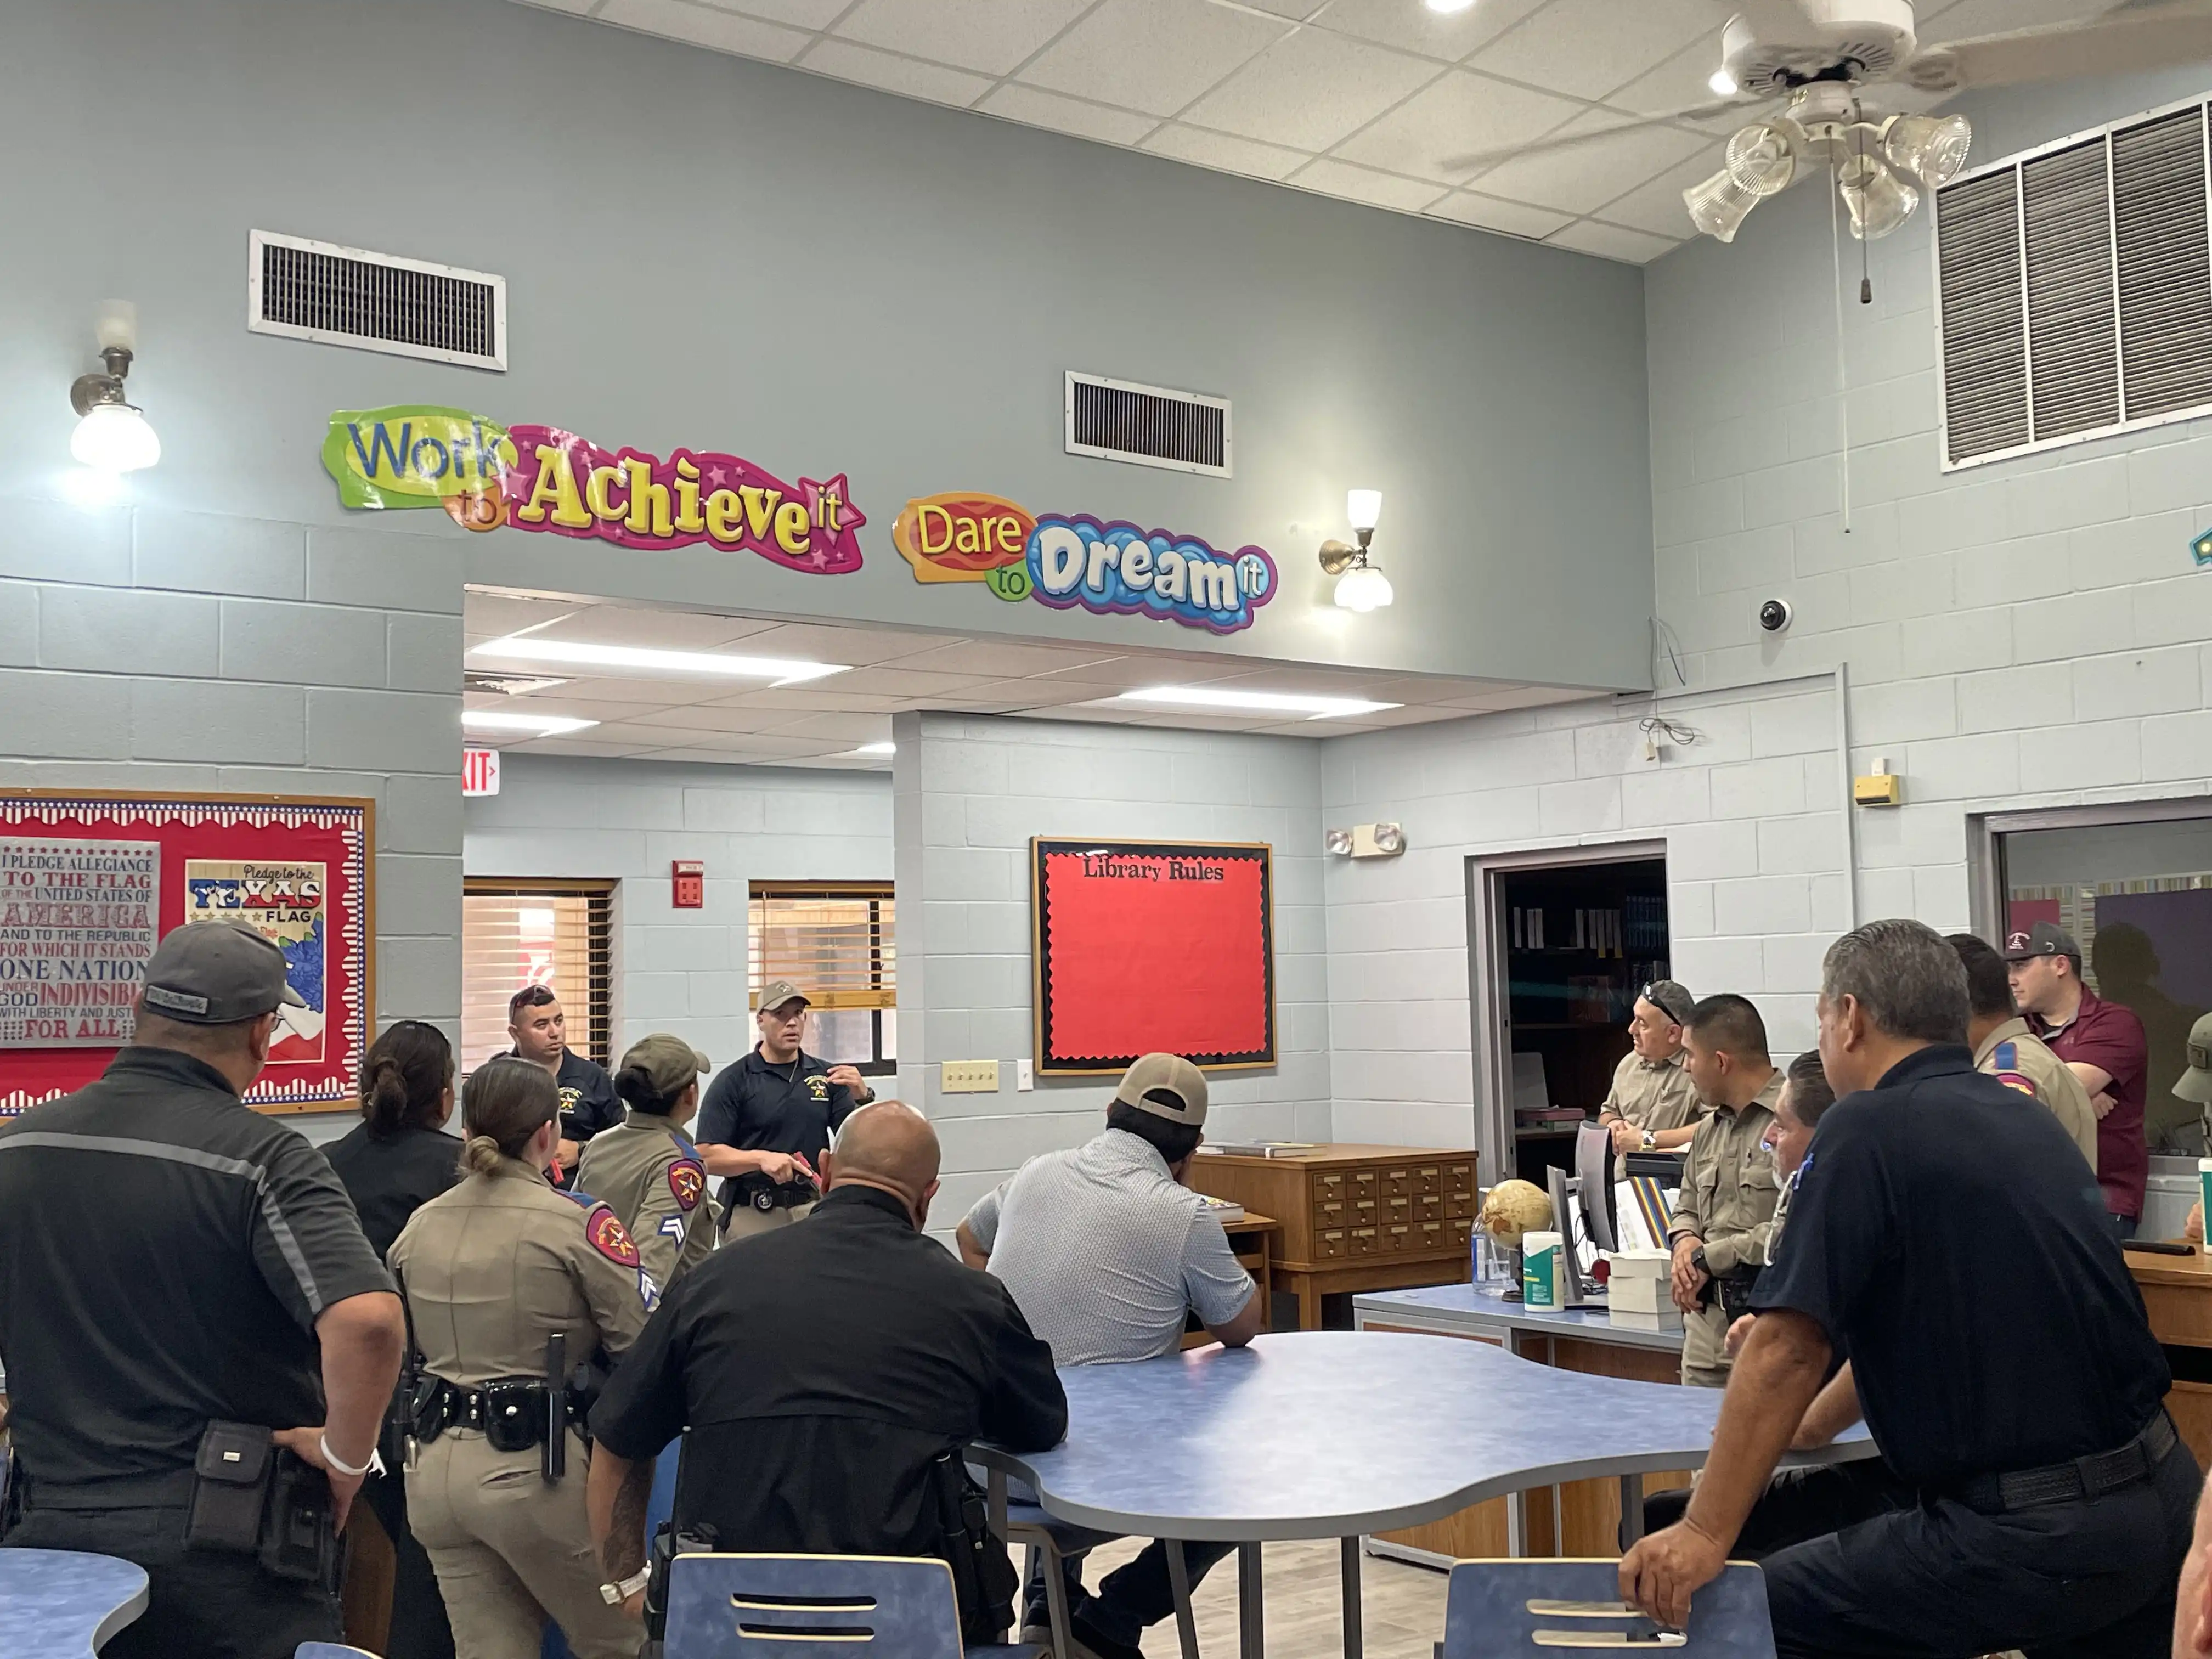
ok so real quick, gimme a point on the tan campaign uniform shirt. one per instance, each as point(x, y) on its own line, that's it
point(649, 1172)
point(1653, 1096)
point(2015, 1056)
point(1729, 1197)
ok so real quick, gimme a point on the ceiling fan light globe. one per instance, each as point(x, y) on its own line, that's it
point(1878, 199)
point(1930, 148)
point(1762, 158)
point(1719, 205)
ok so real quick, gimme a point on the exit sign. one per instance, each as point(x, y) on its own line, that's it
point(479, 772)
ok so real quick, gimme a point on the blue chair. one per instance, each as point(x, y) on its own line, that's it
point(1518, 1609)
point(816, 1606)
point(1041, 1536)
point(330, 1651)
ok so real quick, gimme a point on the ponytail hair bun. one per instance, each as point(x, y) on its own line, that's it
point(505, 1102)
point(405, 1077)
point(635, 1085)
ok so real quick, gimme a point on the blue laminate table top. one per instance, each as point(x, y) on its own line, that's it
point(63, 1604)
point(1330, 1434)
point(1484, 1306)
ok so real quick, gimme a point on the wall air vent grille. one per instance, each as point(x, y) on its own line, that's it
point(1116, 420)
point(350, 297)
point(2075, 290)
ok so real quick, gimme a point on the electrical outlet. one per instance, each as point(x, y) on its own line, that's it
point(969, 1077)
point(1024, 1074)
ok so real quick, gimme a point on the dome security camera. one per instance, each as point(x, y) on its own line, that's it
point(1774, 616)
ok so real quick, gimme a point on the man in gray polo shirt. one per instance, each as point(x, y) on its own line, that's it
point(1106, 1251)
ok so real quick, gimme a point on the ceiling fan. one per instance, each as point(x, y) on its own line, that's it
point(1820, 59)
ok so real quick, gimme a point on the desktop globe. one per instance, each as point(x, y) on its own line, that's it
point(1514, 1207)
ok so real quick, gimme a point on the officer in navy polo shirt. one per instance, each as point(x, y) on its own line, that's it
point(588, 1101)
point(768, 1118)
point(1945, 1242)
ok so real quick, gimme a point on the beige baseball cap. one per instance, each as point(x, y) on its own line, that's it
point(2195, 1083)
point(1166, 1086)
point(777, 991)
point(673, 1064)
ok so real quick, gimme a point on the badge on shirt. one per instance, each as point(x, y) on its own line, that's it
point(569, 1098)
point(686, 1179)
point(818, 1086)
point(603, 1229)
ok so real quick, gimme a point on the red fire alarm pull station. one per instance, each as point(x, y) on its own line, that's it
point(690, 879)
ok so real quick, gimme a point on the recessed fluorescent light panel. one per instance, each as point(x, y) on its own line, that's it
point(714, 664)
point(536, 725)
point(1264, 702)
point(874, 748)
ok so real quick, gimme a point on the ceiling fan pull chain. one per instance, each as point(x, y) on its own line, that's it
point(1842, 391)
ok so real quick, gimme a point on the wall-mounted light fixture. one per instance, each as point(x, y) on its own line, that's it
point(113, 435)
point(1365, 841)
point(1360, 585)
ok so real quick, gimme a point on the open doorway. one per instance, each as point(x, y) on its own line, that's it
point(1563, 940)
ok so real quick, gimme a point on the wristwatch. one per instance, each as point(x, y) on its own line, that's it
point(615, 1595)
point(1697, 1261)
point(1650, 1140)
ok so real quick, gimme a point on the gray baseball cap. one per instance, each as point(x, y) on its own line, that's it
point(2195, 1083)
point(212, 973)
point(2045, 939)
point(1671, 996)
point(1166, 1086)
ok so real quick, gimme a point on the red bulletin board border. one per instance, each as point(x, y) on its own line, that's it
point(1085, 935)
point(274, 828)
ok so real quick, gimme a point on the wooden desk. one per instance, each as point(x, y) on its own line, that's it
point(2177, 1292)
point(1354, 1216)
point(1254, 1240)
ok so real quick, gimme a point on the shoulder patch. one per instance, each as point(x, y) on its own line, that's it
point(605, 1232)
point(2005, 1056)
point(687, 1180)
point(2019, 1080)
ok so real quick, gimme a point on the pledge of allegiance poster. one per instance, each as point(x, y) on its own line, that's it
point(77, 925)
point(282, 903)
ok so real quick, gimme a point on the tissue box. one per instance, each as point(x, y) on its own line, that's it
point(1638, 1282)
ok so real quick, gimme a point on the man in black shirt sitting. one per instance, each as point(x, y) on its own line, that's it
point(1944, 1241)
point(827, 1376)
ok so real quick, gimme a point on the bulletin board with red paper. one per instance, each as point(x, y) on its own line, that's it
point(1146, 945)
point(89, 882)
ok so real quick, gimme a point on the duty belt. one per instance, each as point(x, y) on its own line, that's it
point(170, 1490)
point(2076, 1481)
point(511, 1414)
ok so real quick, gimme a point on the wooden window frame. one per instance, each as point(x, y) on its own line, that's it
point(881, 893)
point(597, 1036)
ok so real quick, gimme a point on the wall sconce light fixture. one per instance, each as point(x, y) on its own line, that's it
point(112, 434)
point(1360, 585)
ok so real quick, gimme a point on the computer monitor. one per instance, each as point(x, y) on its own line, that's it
point(1595, 1171)
point(1575, 1241)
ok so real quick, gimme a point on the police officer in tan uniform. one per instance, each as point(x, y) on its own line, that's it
point(491, 1269)
point(2009, 1051)
point(1725, 1210)
point(646, 1169)
point(1653, 1105)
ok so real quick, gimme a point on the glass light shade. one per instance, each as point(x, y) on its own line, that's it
point(115, 438)
point(1878, 199)
point(1362, 588)
point(1931, 147)
point(1762, 158)
point(1361, 508)
point(1719, 205)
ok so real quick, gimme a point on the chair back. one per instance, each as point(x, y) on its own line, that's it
point(1545, 1609)
point(811, 1607)
point(330, 1651)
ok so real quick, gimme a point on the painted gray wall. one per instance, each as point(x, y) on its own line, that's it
point(708, 252)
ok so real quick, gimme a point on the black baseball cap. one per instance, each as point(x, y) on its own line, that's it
point(2045, 939)
point(213, 973)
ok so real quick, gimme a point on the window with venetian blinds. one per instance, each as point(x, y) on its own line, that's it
point(834, 941)
point(556, 933)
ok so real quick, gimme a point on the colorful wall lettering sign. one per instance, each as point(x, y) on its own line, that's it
point(1070, 560)
point(541, 478)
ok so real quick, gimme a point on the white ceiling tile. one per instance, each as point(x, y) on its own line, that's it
point(1587, 48)
point(999, 659)
point(1069, 115)
point(1487, 213)
point(574, 7)
point(850, 730)
point(1296, 10)
point(1578, 177)
point(1221, 151)
point(892, 73)
point(750, 747)
point(1972, 17)
point(1657, 206)
point(1457, 115)
point(812, 699)
point(1151, 55)
point(647, 693)
point(1127, 673)
point(993, 36)
point(709, 717)
point(896, 682)
point(808, 14)
point(1679, 83)
point(1386, 189)
point(1309, 89)
point(1635, 247)
point(704, 25)
point(1416, 28)
point(832, 642)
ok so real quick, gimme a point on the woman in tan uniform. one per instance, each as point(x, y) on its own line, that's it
point(492, 1269)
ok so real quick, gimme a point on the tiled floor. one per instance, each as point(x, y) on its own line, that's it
point(1404, 1606)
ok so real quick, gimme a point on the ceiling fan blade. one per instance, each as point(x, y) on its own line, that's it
point(2119, 43)
point(1468, 163)
point(1773, 19)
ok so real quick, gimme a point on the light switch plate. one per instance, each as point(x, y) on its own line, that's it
point(969, 1077)
point(1024, 1074)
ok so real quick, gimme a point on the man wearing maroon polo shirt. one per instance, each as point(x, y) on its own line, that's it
point(2103, 1042)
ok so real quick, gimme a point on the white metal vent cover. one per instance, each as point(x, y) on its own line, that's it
point(348, 296)
point(2073, 288)
point(1148, 425)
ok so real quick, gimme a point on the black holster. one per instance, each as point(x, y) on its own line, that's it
point(1733, 1292)
point(11, 1492)
point(668, 1543)
point(251, 1497)
point(983, 1577)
